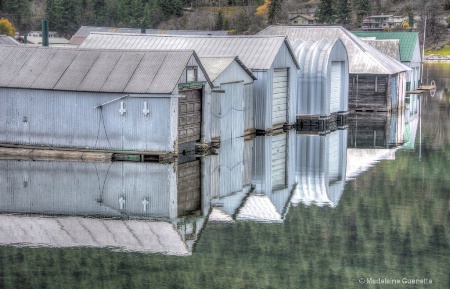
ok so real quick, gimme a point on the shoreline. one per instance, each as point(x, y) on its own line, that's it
point(434, 58)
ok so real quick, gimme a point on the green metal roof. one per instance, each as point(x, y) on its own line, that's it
point(408, 41)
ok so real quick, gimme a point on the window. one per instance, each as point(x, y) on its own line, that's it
point(191, 74)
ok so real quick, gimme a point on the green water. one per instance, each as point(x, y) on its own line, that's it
point(392, 224)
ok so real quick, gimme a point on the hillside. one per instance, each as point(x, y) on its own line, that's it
point(67, 16)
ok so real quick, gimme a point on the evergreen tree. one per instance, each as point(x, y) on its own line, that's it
point(325, 12)
point(362, 9)
point(343, 12)
point(55, 15)
point(170, 7)
point(100, 12)
point(71, 16)
point(219, 21)
point(274, 9)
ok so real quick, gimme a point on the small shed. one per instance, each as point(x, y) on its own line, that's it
point(270, 59)
point(141, 101)
point(410, 54)
point(323, 80)
point(84, 31)
point(320, 168)
point(377, 81)
point(231, 78)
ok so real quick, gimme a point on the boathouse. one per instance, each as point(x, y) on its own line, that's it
point(374, 79)
point(322, 81)
point(270, 59)
point(410, 54)
point(231, 80)
point(320, 168)
point(84, 31)
point(139, 101)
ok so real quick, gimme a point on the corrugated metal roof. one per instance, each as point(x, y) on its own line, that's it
point(92, 70)
point(62, 232)
point(256, 52)
point(389, 47)
point(259, 208)
point(215, 65)
point(363, 58)
point(8, 40)
point(84, 31)
point(360, 160)
point(408, 41)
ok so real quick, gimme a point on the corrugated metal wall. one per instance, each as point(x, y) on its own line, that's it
point(262, 109)
point(248, 161)
point(323, 88)
point(69, 119)
point(268, 172)
point(231, 166)
point(227, 112)
point(77, 188)
point(216, 113)
point(263, 89)
point(249, 121)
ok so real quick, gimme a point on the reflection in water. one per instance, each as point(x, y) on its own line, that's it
point(155, 207)
point(391, 221)
point(150, 212)
point(376, 137)
point(320, 168)
point(272, 179)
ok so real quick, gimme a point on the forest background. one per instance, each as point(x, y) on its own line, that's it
point(236, 16)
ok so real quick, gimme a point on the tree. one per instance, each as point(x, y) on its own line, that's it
point(274, 10)
point(325, 12)
point(219, 21)
point(362, 9)
point(6, 27)
point(54, 11)
point(170, 7)
point(71, 16)
point(430, 11)
point(19, 11)
point(343, 12)
point(263, 9)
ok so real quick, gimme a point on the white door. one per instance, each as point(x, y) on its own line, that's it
point(280, 96)
point(336, 86)
point(333, 156)
point(279, 152)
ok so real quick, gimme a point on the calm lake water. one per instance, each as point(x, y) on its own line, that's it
point(366, 206)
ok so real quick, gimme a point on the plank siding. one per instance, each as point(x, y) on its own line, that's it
point(364, 96)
